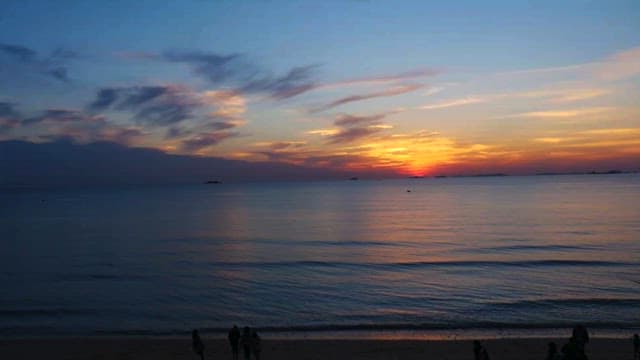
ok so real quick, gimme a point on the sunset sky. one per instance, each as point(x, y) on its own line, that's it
point(409, 87)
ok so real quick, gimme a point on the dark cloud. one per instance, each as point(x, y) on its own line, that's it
point(213, 67)
point(221, 125)
point(288, 151)
point(153, 105)
point(393, 91)
point(354, 127)
point(7, 110)
point(236, 71)
point(175, 132)
point(105, 98)
point(295, 82)
point(202, 141)
point(18, 52)
point(353, 120)
point(61, 116)
point(9, 117)
point(352, 134)
point(53, 65)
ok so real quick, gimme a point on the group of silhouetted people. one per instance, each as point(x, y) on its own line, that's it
point(574, 349)
point(248, 339)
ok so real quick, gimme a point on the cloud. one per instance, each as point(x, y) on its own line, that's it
point(392, 91)
point(382, 79)
point(455, 102)
point(72, 125)
point(621, 65)
point(229, 104)
point(9, 117)
point(205, 140)
point(289, 151)
point(552, 95)
point(61, 116)
point(352, 127)
point(7, 110)
point(53, 65)
point(352, 134)
point(172, 105)
point(237, 71)
point(566, 113)
point(353, 120)
point(153, 105)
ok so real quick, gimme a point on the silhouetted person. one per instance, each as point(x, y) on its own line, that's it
point(245, 340)
point(234, 339)
point(573, 351)
point(552, 352)
point(636, 347)
point(479, 352)
point(198, 346)
point(581, 336)
point(256, 347)
point(477, 349)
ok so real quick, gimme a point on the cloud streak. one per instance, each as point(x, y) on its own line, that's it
point(53, 66)
point(237, 71)
point(351, 128)
point(392, 91)
point(151, 105)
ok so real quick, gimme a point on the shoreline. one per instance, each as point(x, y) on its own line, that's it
point(131, 347)
point(419, 334)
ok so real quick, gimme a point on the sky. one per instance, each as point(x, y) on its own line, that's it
point(406, 88)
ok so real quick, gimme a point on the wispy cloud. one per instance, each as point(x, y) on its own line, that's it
point(382, 79)
point(152, 105)
point(552, 95)
point(564, 113)
point(63, 116)
point(621, 65)
point(53, 66)
point(205, 140)
point(9, 117)
point(350, 128)
point(238, 72)
point(613, 131)
point(392, 91)
point(455, 102)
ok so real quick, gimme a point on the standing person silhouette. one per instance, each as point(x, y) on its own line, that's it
point(245, 340)
point(580, 336)
point(636, 347)
point(256, 346)
point(479, 352)
point(477, 349)
point(234, 339)
point(198, 346)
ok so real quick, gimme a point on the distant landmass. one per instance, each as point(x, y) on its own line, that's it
point(64, 163)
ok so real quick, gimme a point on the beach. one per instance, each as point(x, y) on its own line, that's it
point(122, 348)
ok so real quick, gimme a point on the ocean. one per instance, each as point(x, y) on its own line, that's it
point(506, 255)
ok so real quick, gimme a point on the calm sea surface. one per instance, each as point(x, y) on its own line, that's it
point(472, 253)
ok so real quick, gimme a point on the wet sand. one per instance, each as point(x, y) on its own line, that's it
point(124, 348)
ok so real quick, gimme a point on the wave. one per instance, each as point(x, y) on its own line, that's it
point(288, 242)
point(486, 325)
point(538, 248)
point(582, 302)
point(429, 264)
point(5, 313)
point(97, 276)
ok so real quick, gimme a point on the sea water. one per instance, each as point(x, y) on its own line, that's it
point(481, 253)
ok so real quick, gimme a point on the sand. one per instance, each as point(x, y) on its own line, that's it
point(163, 349)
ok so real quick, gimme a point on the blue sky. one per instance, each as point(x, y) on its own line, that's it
point(415, 86)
